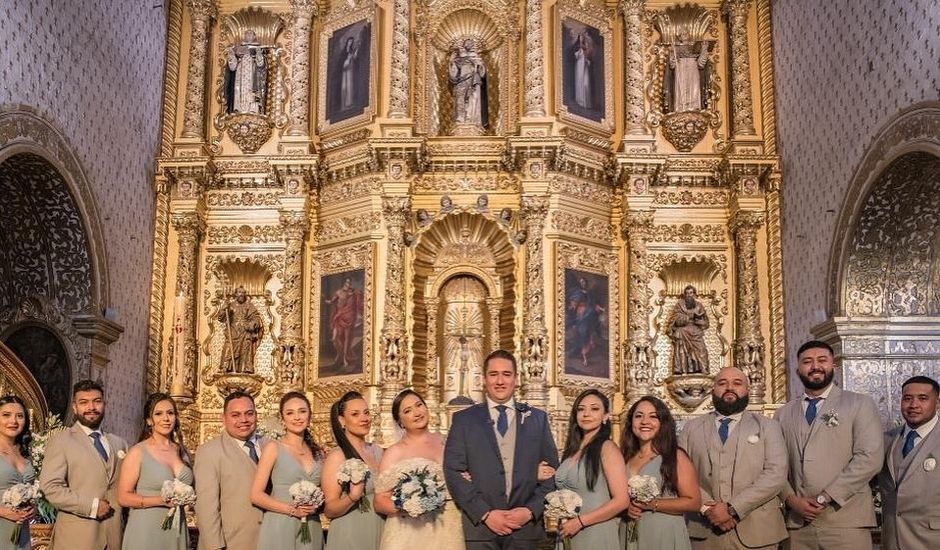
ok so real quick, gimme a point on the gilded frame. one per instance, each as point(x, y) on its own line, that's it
point(599, 18)
point(344, 16)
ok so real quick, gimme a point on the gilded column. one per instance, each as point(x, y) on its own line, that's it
point(302, 13)
point(534, 54)
point(638, 228)
point(492, 305)
point(433, 362)
point(742, 111)
point(535, 333)
point(161, 229)
point(399, 102)
point(748, 342)
point(290, 307)
point(775, 357)
point(633, 66)
point(194, 117)
point(182, 379)
point(395, 211)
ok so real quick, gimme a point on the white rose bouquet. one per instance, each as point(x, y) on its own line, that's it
point(642, 489)
point(177, 494)
point(561, 505)
point(18, 497)
point(305, 493)
point(419, 491)
point(351, 472)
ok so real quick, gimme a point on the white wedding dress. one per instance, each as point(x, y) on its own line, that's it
point(440, 531)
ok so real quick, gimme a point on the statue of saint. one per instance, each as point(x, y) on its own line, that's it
point(688, 334)
point(687, 78)
point(467, 74)
point(243, 331)
point(246, 78)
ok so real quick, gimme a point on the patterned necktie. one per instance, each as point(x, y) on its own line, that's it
point(502, 421)
point(252, 453)
point(96, 437)
point(909, 443)
point(723, 429)
point(811, 409)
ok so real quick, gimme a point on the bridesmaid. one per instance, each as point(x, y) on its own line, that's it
point(593, 467)
point(350, 527)
point(158, 457)
point(15, 467)
point(649, 445)
point(294, 458)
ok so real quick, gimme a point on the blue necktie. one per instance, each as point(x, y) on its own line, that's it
point(502, 421)
point(252, 452)
point(96, 436)
point(909, 443)
point(723, 429)
point(811, 409)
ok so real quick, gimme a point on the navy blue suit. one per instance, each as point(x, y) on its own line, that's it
point(471, 447)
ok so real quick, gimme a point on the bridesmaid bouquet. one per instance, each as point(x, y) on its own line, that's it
point(561, 505)
point(21, 495)
point(642, 489)
point(177, 494)
point(351, 472)
point(419, 491)
point(305, 493)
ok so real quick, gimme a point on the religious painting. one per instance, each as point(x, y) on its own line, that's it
point(349, 59)
point(341, 323)
point(583, 70)
point(45, 357)
point(586, 337)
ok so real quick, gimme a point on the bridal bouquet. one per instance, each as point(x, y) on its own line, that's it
point(177, 494)
point(21, 495)
point(351, 472)
point(419, 491)
point(305, 493)
point(560, 505)
point(642, 489)
point(37, 452)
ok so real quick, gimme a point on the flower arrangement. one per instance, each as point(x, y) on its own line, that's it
point(178, 494)
point(305, 493)
point(561, 505)
point(18, 497)
point(351, 472)
point(37, 454)
point(831, 418)
point(642, 489)
point(270, 427)
point(418, 492)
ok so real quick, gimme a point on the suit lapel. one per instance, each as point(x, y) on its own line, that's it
point(235, 446)
point(830, 403)
point(112, 456)
point(747, 427)
point(486, 424)
point(894, 457)
point(919, 454)
point(88, 446)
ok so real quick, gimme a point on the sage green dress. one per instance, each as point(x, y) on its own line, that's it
point(144, 531)
point(357, 529)
point(658, 530)
point(572, 475)
point(10, 476)
point(279, 531)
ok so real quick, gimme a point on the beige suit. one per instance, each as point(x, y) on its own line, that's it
point(910, 487)
point(839, 456)
point(224, 513)
point(73, 475)
point(748, 472)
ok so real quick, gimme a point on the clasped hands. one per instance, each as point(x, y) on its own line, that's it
point(504, 522)
point(718, 515)
point(807, 506)
point(18, 515)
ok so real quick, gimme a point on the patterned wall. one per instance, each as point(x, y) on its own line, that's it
point(94, 69)
point(843, 69)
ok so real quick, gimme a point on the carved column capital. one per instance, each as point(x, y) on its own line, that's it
point(295, 224)
point(746, 222)
point(637, 223)
point(304, 8)
point(201, 12)
point(736, 8)
point(189, 224)
point(742, 111)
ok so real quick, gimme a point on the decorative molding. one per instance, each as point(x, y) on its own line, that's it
point(742, 110)
point(346, 227)
point(689, 233)
point(585, 226)
point(194, 117)
point(244, 234)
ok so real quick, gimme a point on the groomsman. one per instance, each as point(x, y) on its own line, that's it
point(225, 467)
point(910, 481)
point(835, 446)
point(79, 476)
point(741, 462)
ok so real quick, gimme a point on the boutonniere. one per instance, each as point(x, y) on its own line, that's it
point(930, 463)
point(525, 411)
point(121, 454)
point(753, 439)
point(831, 418)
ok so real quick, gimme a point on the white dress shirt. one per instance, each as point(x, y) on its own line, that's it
point(107, 449)
point(922, 431)
point(823, 396)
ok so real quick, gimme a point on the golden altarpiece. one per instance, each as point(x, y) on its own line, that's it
point(373, 196)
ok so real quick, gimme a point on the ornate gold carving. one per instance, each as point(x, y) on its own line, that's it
point(586, 226)
point(633, 66)
point(689, 233)
point(535, 332)
point(194, 118)
point(685, 130)
point(586, 190)
point(302, 13)
point(638, 351)
point(171, 79)
point(486, 181)
point(742, 112)
point(291, 351)
point(158, 279)
point(348, 226)
point(689, 197)
point(534, 53)
point(768, 108)
point(749, 344)
point(243, 198)
point(400, 70)
point(338, 191)
point(776, 356)
point(189, 226)
point(396, 211)
point(244, 234)
point(248, 131)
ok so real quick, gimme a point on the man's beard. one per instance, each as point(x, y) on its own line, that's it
point(88, 424)
point(690, 303)
point(727, 409)
point(811, 385)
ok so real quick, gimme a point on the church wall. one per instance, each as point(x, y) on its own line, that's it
point(843, 69)
point(94, 69)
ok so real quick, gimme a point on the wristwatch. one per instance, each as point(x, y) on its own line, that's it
point(733, 513)
point(822, 500)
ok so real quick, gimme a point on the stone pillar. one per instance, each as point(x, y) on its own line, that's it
point(393, 361)
point(183, 363)
point(633, 67)
point(201, 13)
point(534, 82)
point(742, 111)
point(399, 104)
point(638, 353)
point(292, 352)
point(748, 341)
point(302, 13)
point(534, 332)
point(433, 367)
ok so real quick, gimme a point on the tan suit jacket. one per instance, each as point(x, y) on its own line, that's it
point(224, 513)
point(72, 476)
point(910, 488)
point(748, 472)
point(838, 459)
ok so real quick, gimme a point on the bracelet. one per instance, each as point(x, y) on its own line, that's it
point(293, 510)
point(655, 505)
point(581, 521)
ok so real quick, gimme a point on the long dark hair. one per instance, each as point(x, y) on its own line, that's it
point(592, 452)
point(664, 442)
point(396, 403)
point(176, 435)
point(25, 437)
point(339, 434)
point(308, 437)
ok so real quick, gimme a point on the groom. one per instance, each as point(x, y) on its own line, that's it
point(499, 443)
